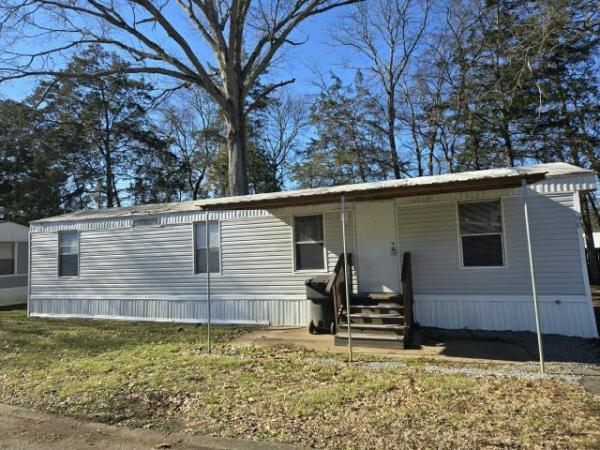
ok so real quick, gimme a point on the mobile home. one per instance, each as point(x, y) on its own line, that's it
point(13, 263)
point(465, 233)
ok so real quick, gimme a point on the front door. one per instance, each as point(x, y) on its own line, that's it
point(378, 263)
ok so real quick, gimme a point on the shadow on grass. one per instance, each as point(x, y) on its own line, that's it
point(510, 345)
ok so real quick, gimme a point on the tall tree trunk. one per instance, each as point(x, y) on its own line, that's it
point(108, 159)
point(418, 150)
point(593, 265)
point(115, 191)
point(430, 158)
point(509, 157)
point(196, 189)
point(236, 121)
point(109, 196)
point(570, 135)
point(108, 174)
point(391, 133)
point(359, 159)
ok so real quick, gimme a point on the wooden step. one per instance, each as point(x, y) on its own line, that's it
point(377, 320)
point(377, 296)
point(371, 340)
point(371, 318)
point(380, 329)
point(383, 305)
point(373, 326)
point(380, 308)
point(372, 337)
point(374, 316)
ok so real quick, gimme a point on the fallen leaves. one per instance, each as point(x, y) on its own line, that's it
point(161, 376)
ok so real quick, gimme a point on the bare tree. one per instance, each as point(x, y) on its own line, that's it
point(285, 121)
point(192, 126)
point(387, 33)
point(242, 37)
point(423, 116)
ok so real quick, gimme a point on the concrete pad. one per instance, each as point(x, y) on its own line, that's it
point(451, 349)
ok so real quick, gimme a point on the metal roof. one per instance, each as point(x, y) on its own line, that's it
point(13, 232)
point(426, 185)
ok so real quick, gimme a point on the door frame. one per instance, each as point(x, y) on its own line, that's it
point(397, 258)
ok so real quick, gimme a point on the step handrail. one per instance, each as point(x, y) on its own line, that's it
point(336, 286)
point(407, 290)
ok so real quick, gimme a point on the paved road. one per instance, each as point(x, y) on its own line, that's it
point(22, 429)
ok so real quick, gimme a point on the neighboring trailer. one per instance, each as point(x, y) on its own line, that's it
point(142, 263)
point(13, 263)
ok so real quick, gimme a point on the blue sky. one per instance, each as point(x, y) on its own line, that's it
point(299, 61)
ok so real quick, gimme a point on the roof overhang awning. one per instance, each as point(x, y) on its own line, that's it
point(512, 181)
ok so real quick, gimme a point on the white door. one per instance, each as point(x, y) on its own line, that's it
point(378, 263)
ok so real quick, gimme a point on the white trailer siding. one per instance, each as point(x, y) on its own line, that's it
point(13, 288)
point(449, 296)
point(147, 272)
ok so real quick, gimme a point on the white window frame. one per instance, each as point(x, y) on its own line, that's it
point(461, 261)
point(203, 222)
point(294, 243)
point(15, 256)
point(68, 277)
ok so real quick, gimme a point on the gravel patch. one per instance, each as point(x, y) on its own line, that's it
point(572, 372)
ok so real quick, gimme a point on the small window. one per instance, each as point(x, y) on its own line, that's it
point(7, 258)
point(309, 243)
point(68, 253)
point(481, 234)
point(214, 251)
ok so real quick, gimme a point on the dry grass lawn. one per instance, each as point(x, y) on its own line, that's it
point(160, 376)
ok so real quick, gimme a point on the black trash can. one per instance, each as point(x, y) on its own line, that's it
point(321, 306)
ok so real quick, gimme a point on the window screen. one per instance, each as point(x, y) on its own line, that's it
point(214, 253)
point(481, 234)
point(7, 258)
point(309, 244)
point(68, 253)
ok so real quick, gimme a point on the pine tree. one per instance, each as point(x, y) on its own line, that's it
point(106, 116)
point(349, 145)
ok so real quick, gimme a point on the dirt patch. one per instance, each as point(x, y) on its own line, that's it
point(29, 430)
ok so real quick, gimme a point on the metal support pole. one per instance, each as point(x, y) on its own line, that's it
point(208, 279)
point(536, 305)
point(346, 278)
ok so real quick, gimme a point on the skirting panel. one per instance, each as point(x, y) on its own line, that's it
point(566, 315)
point(263, 312)
point(13, 296)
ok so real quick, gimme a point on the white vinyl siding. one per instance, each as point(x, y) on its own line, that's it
point(148, 271)
point(447, 296)
point(429, 232)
